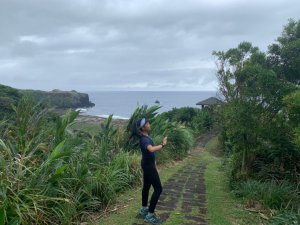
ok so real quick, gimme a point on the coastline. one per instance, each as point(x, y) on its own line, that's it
point(97, 120)
point(84, 118)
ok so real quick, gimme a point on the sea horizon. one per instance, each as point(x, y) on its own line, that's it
point(123, 103)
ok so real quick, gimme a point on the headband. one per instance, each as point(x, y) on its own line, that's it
point(143, 122)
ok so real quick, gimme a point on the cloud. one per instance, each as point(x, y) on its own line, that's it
point(32, 38)
point(138, 44)
point(7, 64)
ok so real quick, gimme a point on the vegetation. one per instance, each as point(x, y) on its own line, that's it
point(56, 99)
point(50, 173)
point(198, 120)
point(61, 99)
point(223, 206)
point(183, 115)
point(260, 121)
point(8, 97)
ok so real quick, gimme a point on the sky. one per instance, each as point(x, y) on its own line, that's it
point(140, 45)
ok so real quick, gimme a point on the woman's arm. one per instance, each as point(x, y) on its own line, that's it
point(151, 148)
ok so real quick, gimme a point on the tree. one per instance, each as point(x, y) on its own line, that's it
point(284, 56)
point(254, 96)
point(292, 107)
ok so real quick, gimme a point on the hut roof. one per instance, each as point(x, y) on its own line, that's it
point(210, 101)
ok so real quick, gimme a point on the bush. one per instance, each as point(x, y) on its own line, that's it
point(8, 97)
point(51, 176)
point(285, 218)
point(180, 141)
point(182, 115)
point(202, 121)
point(271, 194)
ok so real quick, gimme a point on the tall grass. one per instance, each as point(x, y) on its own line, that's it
point(286, 218)
point(271, 194)
point(52, 175)
point(48, 175)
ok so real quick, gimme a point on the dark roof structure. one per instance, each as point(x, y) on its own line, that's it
point(210, 101)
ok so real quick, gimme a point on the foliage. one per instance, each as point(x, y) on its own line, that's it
point(183, 115)
point(60, 99)
point(271, 194)
point(62, 123)
point(254, 107)
point(285, 218)
point(292, 107)
point(283, 56)
point(107, 140)
point(197, 120)
point(56, 99)
point(203, 120)
point(8, 97)
point(50, 174)
point(260, 119)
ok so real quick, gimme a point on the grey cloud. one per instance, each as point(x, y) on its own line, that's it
point(116, 44)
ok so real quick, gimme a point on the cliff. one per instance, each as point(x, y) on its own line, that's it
point(61, 99)
point(55, 99)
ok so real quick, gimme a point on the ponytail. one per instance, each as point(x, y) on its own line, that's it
point(135, 131)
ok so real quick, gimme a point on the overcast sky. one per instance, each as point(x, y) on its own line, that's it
point(129, 45)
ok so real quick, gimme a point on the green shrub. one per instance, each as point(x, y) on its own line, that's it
point(271, 194)
point(51, 176)
point(182, 115)
point(180, 141)
point(285, 218)
point(8, 97)
point(202, 121)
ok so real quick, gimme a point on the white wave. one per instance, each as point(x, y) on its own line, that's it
point(81, 110)
point(114, 117)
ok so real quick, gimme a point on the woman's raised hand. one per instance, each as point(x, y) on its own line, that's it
point(165, 140)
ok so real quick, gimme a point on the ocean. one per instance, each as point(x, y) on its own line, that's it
point(123, 103)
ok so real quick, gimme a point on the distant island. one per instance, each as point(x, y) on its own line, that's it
point(57, 99)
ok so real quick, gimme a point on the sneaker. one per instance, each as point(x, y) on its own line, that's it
point(152, 219)
point(143, 212)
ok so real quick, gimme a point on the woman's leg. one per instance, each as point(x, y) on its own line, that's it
point(155, 181)
point(146, 187)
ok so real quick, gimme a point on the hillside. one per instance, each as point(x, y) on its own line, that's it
point(57, 99)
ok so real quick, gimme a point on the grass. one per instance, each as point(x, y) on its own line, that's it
point(272, 194)
point(92, 129)
point(223, 207)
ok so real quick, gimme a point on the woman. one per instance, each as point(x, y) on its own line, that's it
point(150, 174)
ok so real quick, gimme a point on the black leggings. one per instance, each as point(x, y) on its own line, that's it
point(151, 177)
